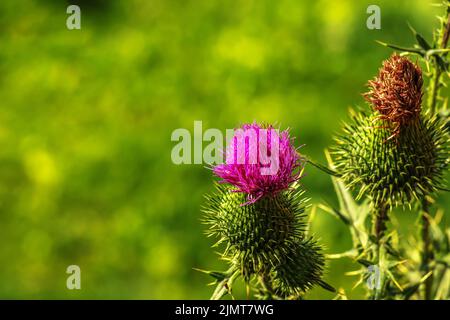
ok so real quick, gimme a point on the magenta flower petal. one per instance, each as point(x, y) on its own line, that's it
point(260, 161)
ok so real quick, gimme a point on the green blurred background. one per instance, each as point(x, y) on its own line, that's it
point(86, 117)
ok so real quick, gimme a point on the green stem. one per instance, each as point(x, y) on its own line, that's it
point(224, 286)
point(379, 255)
point(267, 287)
point(434, 86)
point(381, 218)
point(433, 89)
point(427, 249)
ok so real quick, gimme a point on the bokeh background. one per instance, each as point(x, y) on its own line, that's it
point(86, 117)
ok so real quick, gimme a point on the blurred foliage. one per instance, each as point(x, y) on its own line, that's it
point(86, 117)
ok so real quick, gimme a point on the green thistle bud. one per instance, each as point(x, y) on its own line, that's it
point(259, 234)
point(301, 269)
point(266, 237)
point(397, 171)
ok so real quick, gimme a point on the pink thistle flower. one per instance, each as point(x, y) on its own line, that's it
point(260, 162)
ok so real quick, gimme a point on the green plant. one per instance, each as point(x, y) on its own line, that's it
point(390, 157)
point(260, 221)
point(396, 156)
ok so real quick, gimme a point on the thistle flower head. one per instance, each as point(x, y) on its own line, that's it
point(257, 212)
point(396, 173)
point(396, 92)
point(260, 161)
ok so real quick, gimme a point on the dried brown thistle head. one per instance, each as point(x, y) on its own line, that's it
point(396, 93)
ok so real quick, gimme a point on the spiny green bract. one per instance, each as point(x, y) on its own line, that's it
point(301, 268)
point(394, 171)
point(265, 237)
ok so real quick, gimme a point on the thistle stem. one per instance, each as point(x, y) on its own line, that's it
point(378, 231)
point(427, 249)
point(267, 286)
point(381, 218)
point(434, 88)
point(224, 286)
point(434, 85)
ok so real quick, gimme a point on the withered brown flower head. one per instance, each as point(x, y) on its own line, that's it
point(396, 93)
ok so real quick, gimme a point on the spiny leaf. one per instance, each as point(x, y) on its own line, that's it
point(326, 286)
point(420, 40)
point(335, 212)
point(323, 168)
point(347, 254)
point(365, 263)
point(409, 291)
point(403, 49)
point(391, 276)
point(218, 275)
